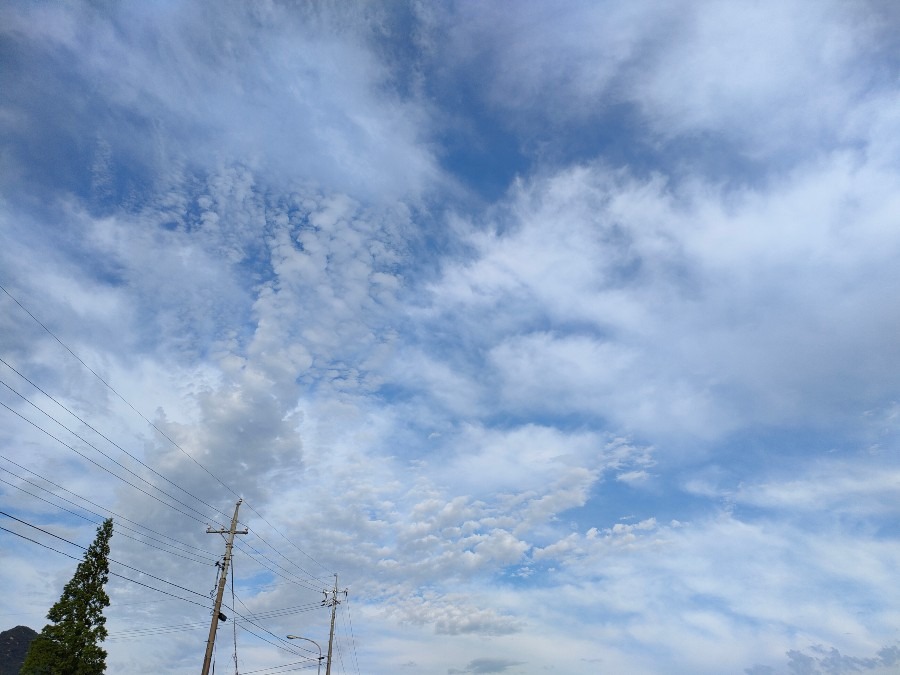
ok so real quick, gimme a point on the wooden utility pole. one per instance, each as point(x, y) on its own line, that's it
point(217, 610)
point(333, 603)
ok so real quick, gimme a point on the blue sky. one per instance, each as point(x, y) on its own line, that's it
point(566, 336)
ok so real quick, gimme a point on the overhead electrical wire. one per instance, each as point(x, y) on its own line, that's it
point(183, 546)
point(280, 669)
point(306, 572)
point(84, 548)
point(121, 534)
point(152, 424)
point(339, 649)
point(242, 546)
point(294, 580)
point(276, 613)
point(281, 644)
point(120, 576)
point(87, 442)
point(286, 646)
point(94, 462)
point(112, 442)
point(251, 619)
point(166, 436)
point(107, 384)
point(139, 633)
point(234, 623)
point(352, 636)
point(195, 558)
point(246, 619)
point(289, 579)
point(135, 633)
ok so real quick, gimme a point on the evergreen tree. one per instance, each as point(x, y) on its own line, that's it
point(70, 645)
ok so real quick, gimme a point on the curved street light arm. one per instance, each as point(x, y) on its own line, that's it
point(300, 637)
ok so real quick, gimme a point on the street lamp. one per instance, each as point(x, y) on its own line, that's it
point(297, 637)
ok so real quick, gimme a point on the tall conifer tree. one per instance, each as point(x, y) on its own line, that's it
point(70, 645)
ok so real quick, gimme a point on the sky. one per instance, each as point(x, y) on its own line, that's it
point(566, 336)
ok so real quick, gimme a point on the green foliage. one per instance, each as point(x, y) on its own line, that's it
point(70, 645)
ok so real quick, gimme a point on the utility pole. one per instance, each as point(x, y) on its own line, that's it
point(217, 610)
point(332, 602)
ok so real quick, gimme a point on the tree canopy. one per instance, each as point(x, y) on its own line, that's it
point(70, 644)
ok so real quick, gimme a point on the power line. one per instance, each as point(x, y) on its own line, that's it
point(276, 613)
point(134, 581)
point(87, 442)
point(141, 478)
point(296, 580)
point(164, 435)
point(107, 384)
point(94, 462)
point(279, 576)
point(259, 515)
point(352, 636)
point(250, 618)
point(94, 522)
point(195, 557)
point(185, 547)
point(113, 390)
point(135, 633)
point(267, 641)
point(234, 623)
point(269, 615)
point(246, 619)
point(286, 646)
point(92, 428)
point(84, 548)
point(289, 667)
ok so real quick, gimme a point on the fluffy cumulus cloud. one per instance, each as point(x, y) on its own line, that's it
point(566, 339)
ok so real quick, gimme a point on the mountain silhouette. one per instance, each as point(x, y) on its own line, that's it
point(14, 645)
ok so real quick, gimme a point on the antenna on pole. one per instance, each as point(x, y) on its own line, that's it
point(217, 609)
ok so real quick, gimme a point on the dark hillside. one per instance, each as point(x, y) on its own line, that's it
point(13, 647)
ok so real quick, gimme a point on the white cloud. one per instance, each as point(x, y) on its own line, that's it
point(307, 102)
point(776, 75)
point(686, 309)
point(562, 63)
point(767, 80)
point(436, 399)
point(686, 589)
point(841, 486)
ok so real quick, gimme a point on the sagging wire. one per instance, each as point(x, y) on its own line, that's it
point(234, 621)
